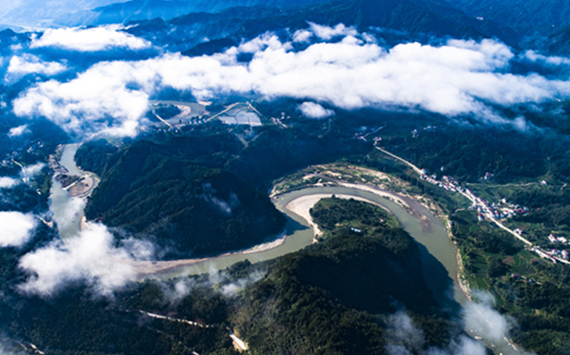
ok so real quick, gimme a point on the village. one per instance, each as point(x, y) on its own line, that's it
point(500, 211)
point(493, 212)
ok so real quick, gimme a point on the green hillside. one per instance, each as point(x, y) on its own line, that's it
point(335, 297)
point(195, 209)
point(524, 16)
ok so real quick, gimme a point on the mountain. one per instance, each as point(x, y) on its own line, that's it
point(524, 16)
point(167, 9)
point(559, 42)
point(191, 208)
point(338, 296)
point(40, 13)
point(407, 17)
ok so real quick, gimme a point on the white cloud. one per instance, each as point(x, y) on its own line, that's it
point(32, 170)
point(314, 110)
point(459, 78)
point(16, 228)
point(403, 337)
point(18, 131)
point(86, 102)
point(536, 57)
point(302, 36)
point(73, 206)
point(489, 323)
point(26, 64)
point(91, 257)
point(6, 182)
point(326, 33)
point(90, 39)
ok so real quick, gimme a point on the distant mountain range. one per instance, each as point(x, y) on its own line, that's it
point(524, 16)
point(179, 25)
point(406, 19)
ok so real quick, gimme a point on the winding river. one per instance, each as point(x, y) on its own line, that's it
point(437, 251)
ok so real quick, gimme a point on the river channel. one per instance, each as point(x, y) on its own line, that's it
point(437, 251)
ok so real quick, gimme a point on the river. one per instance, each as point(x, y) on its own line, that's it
point(437, 251)
point(67, 211)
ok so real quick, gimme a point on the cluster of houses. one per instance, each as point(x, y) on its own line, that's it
point(498, 211)
point(557, 240)
point(553, 255)
point(564, 254)
point(501, 210)
point(31, 149)
point(447, 182)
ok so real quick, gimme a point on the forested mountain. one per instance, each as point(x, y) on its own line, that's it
point(339, 296)
point(191, 208)
point(524, 16)
point(407, 17)
point(149, 9)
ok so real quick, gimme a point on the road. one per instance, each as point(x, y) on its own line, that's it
point(415, 168)
point(238, 343)
point(477, 202)
point(224, 111)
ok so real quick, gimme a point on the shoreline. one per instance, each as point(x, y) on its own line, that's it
point(300, 206)
point(150, 268)
point(400, 199)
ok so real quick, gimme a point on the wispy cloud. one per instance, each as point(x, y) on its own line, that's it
point(326, 33)
point(16, 228)
point(92, 257)
point(89, 39)
point(552, 60)
point(404, 337)
point(7, 182)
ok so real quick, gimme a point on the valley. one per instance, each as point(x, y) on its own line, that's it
point(306, 177)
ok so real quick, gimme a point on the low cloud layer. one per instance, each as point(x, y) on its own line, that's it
point(89, 39)
point(458, 78)
point(403, 337)
point(91, 257)
point(16, 228)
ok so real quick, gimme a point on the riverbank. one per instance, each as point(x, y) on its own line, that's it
point(299, 206)
point(143, 268)
point(302, 207)
point(387, 186)
point(300, 231)
point(82, 188)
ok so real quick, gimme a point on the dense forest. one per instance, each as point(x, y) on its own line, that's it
point(335, 297)
point(191, 208)
point(200, 194)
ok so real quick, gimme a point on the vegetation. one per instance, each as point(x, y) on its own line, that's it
point(166, 111)
point(331, 298)
point(337, 216)
point(532, 290)
point(193, 209)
